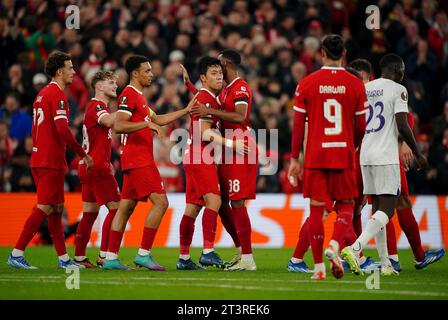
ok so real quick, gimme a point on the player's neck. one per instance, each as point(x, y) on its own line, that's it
point(215, 92)
point(59, 82)
point(332, 63)
point(388, 77)
point(102, 97)
point(232, 76)
point(136, 85)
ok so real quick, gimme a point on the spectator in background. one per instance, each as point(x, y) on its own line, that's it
point(39, 81)
point(19, 122)
point(6, 149)
point(425, 17)
point(97, 58)
point(438, 159)
point(438, 38)
point(439, 124)
point(21, 178)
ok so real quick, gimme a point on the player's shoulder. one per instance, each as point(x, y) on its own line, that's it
point(95, 105)
point(206, 95)
point(240, 86)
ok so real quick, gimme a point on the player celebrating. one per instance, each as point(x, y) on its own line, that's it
point(201, 172)
point(141, 179)
point(334, 101)
point(51, 134)
point(379, 157)
point(99, 186)
point(238, 179)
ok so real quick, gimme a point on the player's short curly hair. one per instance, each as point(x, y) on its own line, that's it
point(55, 61)
point(231, 55)
point(134, 62)
point(100, 76)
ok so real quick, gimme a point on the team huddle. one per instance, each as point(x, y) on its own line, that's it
point(349, 129)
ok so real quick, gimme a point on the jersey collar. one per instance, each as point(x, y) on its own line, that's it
point(234, 80)
point(211, 93)
point(332, 68)
point(135, 89)
point(56, 84)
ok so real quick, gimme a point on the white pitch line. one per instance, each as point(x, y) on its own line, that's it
point(240, 287)
point(239, 280)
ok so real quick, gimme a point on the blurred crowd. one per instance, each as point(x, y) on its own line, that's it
point(279, 41)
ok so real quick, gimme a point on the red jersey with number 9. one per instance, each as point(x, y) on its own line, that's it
point(331, 97)
point(48, 149)
point(136, 147)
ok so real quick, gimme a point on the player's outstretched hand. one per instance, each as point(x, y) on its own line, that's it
point(192, 103)
point(185, 75)
point(88, 161)
point(156, 129)
point(240, 147)
point(295, 171)
point(199, 110)
point(421, 161)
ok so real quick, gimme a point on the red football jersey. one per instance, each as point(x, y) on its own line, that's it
point(236, 92)
point(97, 139)
point(209, 99)
point(331, 97)
point(136, 147)
point(48, 150)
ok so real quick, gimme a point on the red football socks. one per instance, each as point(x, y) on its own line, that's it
point(343, 226)
point(30, 228)
point(317, 232)
point(115, 241)
point(83, 232)
point(209, 223)
point(410, 228)
point(105, 232)
point(225, 213)
point(391, 239)
point(186, 231)
point(244, 229)
point(303, 243)
point(57, 232)
point(149, 235)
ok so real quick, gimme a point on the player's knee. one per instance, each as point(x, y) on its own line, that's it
point(112, 205)
point(162, 203)
point(213, 202)
point(46, 208)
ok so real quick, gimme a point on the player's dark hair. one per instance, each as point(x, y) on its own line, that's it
point(55, 61)
point(100, 76)
point(354, 72)
point(334, 46)
point(207, 62)
point(390, 62)
point(362, 65)
point(231, 55)
point(134, 62)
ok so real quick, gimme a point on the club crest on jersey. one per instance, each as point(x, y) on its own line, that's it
point(99, 107)
point(61, 104)
point(404, 96)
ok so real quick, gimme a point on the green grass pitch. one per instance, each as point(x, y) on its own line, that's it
point(271, 281)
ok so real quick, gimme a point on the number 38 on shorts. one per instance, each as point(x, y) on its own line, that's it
point(234, 186)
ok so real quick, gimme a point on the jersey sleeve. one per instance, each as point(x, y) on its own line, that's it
point(362, 105)
point(100, 111)
point(401, 100)
point(126, 104)
point(205, 99)
point(299, 98)
point(59, 108)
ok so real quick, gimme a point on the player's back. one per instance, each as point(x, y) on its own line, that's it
point(49, 106)
point(97, 139)
point(331, 97)
point(237, 91)
point(137, 147)
point(380, 143)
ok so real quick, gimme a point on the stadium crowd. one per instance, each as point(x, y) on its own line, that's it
point(279, 41)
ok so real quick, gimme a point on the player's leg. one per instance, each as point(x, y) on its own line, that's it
point(209, 224)
point(409, 226)
point(38, 214)
point(392, 249)
point(105, 231)
point(154, 218)
point(244, 230)
point(186, 231)
point(296, 263)
point(227, 220)
point(125, 209)
point(90, 213)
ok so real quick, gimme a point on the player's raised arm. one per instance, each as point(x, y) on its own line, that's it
point(187, 81)
point(165, 119)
